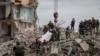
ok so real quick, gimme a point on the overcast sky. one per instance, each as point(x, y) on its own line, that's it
point(79, 9)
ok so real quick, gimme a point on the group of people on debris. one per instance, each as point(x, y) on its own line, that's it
point(55, 36)
point(55, 31)
point(67, 30)
point(89, 26)
point(19, 49)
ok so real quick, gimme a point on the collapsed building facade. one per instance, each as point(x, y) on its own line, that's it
point(16, 16)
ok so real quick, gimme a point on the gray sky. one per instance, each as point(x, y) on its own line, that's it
point(79, 9)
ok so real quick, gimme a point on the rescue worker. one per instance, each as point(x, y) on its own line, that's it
point(90, 27)
point(93, 24)
point(45, 29)
point(57, 34)
point(86, 25)
point(67, 32)
point(97, 26)
point(51, 25)
point(81, 28)
point(18, 49)
point(72, 24)
point(53, 34)
point(37, 47)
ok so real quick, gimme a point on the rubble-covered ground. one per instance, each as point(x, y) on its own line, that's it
point(73, 46)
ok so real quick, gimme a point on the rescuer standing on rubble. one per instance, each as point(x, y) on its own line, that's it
point(81, 28)
point(45, 29)
point(58, 34)
point(90, 27)
point(97, 25)
point(67, 32)
point(51, 25)
point(19, 49)
point(72, 24)
point(37, 47)
point(93, 24)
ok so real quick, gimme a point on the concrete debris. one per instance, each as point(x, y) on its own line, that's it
point(69, 52)
point(26, 37)
point(84, 46)
point(54, 50)
point(81, 47)
point(6, 48)
point(87, 46)
point(78, 40)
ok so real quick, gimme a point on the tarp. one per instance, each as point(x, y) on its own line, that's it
point(46, 37)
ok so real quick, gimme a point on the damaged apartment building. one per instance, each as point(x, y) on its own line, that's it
point(17, 15)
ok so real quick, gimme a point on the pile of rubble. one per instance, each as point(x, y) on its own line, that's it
point(88, 46)
point(6, 48)
point(74, 46)
point(26, 38)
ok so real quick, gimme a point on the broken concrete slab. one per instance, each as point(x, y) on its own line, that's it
point(70, 50)
point(78, 40)
point(84, 46)
point(54, 50)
